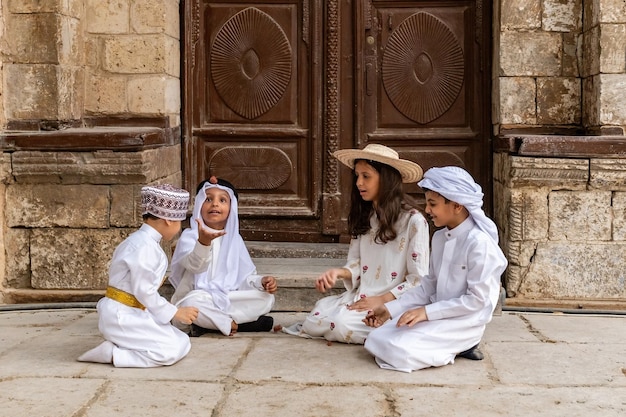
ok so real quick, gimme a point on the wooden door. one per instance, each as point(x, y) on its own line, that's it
point(423, 86)
point(272, 88)
point(252, 110)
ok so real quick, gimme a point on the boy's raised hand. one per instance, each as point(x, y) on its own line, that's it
point(269, 284)
point(205, 236)
point(186, 315)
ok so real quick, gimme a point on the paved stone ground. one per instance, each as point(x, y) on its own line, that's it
point(535, 365)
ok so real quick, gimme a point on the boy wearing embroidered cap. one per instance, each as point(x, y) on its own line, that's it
point(133, 318)
point(388, 252)
point(212, 269)
point(445, 316)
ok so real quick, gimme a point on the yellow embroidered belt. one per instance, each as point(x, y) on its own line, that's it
point(123, 297)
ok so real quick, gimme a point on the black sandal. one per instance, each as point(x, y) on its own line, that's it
point(262, 324)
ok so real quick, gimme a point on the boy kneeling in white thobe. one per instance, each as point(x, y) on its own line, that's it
point(446, 314)
point(133, 317)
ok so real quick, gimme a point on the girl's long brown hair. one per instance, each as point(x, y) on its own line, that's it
point(391, 201)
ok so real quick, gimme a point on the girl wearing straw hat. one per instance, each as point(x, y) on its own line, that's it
point(388, 252)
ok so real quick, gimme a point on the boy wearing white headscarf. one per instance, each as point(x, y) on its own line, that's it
point(445, 316)
point(212, 269)
point(133, 317)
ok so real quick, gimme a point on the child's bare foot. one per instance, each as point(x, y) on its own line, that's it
point(233, 328)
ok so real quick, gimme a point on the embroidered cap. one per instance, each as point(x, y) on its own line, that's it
point(165, 201)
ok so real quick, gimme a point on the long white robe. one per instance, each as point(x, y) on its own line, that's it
point(459, 294)
point(376, 269)
point(142, 338)
point(247, 303)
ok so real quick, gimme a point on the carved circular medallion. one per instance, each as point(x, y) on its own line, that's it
point(251, 63)
point(251, 167)
point(423, 68)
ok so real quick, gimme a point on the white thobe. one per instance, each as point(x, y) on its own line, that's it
point(247, 303)
point(375, 270)
point(459, 294)
point(142, 338)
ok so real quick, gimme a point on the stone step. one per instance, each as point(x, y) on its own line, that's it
point(296, 280)
point(297, 250)
point(296, 266)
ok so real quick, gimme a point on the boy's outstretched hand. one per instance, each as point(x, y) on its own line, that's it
point(411, 317)
point(377, 316)
point(205, 236)
point(186, 315)
point(269, 284)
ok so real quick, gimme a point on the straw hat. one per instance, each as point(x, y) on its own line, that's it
point(410, 171)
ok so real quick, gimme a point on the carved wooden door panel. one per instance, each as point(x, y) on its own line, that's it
point(423, 87)
point(252, 110)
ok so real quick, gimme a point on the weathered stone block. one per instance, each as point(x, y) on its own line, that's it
point(613, 55)
point(155, 16)
point(31, 91)
point(520, 256)
point(521, 253)
point(611, 11)
point(100, 167)
point(608, 174)
point(71, 8)
point(126, 205)
point(73, 258)
point(55, 205)
point(580, 215)
point(513, 279)
point(613, 91)
point(530, 54)
point(619, 216)
point(554, 173)
point(558, 101)
point(154, 95)
point(17, 257)
point(517, 100)
point(520, 14)
point(528, 214)
point(37, 40)
point(106, 94)
point(71, 93)
point(109, 17)
point(71, 41)
point(576, 270)
point(562, 15)
point(139, 54)
point(161, 163)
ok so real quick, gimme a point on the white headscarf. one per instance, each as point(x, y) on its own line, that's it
point(233, 264)
point(457, 185)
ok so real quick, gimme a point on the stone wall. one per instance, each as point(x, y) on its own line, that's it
point(90, 112)
point(560, 161)
point(563, 226)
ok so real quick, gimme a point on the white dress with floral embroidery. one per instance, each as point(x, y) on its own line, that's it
point(376, 269)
